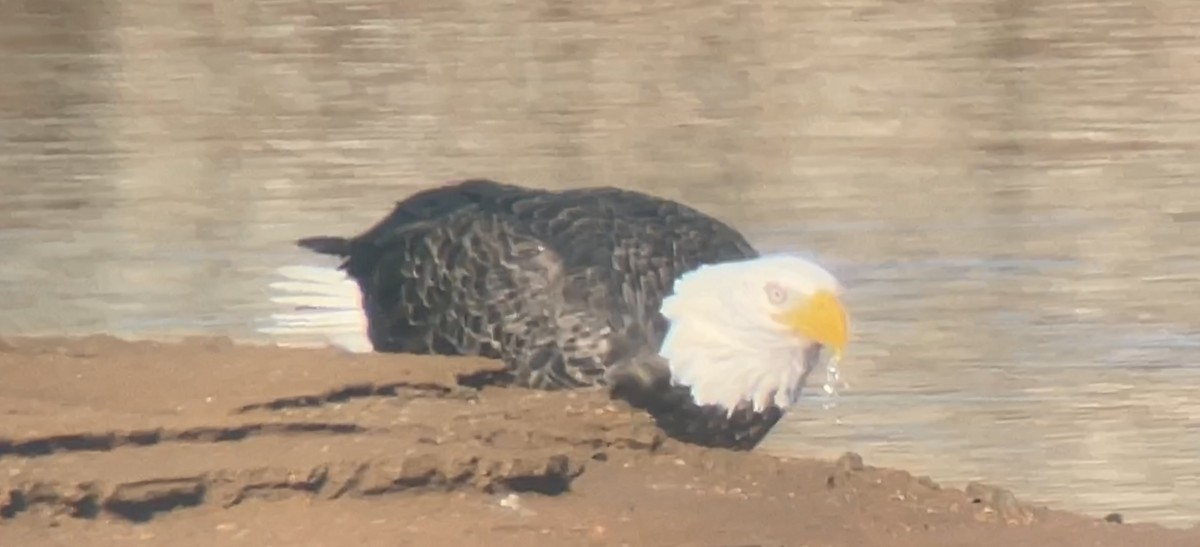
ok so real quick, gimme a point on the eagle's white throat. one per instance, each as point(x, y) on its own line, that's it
point(723, 343)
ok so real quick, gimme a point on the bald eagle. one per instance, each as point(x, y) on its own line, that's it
point(669, 309)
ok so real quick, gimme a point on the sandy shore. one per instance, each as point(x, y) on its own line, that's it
point(105, 442)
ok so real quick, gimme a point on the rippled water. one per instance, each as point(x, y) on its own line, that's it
point(1008, 187)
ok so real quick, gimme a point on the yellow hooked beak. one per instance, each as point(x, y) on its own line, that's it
point(821, 319)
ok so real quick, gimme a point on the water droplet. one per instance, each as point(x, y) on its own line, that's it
point(832, 379)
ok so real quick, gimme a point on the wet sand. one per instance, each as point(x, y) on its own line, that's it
point(202, 442)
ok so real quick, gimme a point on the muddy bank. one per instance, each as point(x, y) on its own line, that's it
point(110, 442)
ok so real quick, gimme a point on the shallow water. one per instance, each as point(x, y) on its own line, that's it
point(1008, 188)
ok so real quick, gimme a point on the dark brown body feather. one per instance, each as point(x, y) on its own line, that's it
point(564, 287)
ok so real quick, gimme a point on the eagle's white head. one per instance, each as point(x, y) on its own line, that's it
point(744, 332)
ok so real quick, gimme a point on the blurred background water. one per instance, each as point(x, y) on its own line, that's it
point(1007, 186)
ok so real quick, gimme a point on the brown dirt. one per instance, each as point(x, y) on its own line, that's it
point(106, 442)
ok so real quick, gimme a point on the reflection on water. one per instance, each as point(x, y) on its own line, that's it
point(1006, 186)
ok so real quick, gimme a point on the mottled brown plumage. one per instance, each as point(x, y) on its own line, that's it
point(564, 287)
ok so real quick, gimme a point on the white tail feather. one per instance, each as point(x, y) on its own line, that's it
point(324, 309)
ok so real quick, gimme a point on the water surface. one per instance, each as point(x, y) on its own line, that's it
point(1007, 187)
